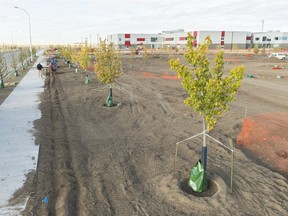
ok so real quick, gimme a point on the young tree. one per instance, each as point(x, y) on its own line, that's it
point(145, 55)
point(66, 52)
point(209, 90)
point(27, 56)
point(170, 53)
point(131, 56)
point(256, 50)
point(61, 51)
point(276, 49)
point(107, 66)
point(3, 70)
point(84, 60)
point(22, 58)
point(34, 51)
point(14, 63)
point(74, 58)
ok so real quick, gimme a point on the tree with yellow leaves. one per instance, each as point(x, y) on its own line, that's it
point(107, 66)
point(84, 59)
point(209, 90)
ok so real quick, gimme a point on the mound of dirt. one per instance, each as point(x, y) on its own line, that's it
point(266, 136)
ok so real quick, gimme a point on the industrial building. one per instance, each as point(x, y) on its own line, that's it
point(178, 39)
point(122, 41)
point(270, 39)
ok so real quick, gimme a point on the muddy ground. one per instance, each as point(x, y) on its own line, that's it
point(96, 160)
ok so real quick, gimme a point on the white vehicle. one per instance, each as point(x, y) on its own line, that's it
point(277, 55)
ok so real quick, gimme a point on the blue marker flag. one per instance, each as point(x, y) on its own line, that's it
point(45, 200)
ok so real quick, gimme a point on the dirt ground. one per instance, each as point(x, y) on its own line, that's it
point(96, 160)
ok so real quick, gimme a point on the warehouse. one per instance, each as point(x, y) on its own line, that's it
point(226, 39)
point(178, 39)
point(220, 39)
point(122, 41)
point(270, 39)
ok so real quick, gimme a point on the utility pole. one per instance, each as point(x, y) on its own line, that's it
point(263, 25)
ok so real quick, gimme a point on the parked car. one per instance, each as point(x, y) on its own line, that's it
point(277, 55)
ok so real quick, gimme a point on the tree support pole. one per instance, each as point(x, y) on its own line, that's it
point(176, 152)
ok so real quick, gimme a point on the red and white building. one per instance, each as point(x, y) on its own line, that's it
point(121, 41)
point(178, 38)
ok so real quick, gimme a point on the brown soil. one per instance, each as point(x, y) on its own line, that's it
point(96, 160)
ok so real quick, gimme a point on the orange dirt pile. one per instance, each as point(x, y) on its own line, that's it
point(163, 76)
point(266, 135)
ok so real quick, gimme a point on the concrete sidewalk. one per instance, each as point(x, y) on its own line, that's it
point(18, 150)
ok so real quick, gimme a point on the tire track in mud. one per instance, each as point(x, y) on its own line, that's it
point(66, 200)
point(85, 196)
point(62, 184)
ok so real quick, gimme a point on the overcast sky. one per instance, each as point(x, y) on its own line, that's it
point(69, 21)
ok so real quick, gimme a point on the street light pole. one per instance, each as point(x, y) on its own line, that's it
point(31, 55)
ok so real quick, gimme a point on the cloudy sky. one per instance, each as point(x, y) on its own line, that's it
point(69, 21)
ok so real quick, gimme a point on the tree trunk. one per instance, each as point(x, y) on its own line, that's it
point(2, 83)
point(204, 147)
point(86, 78)
point(110, 91)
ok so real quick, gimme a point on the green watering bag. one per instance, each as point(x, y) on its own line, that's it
point(109, 101)
point(197, 180)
